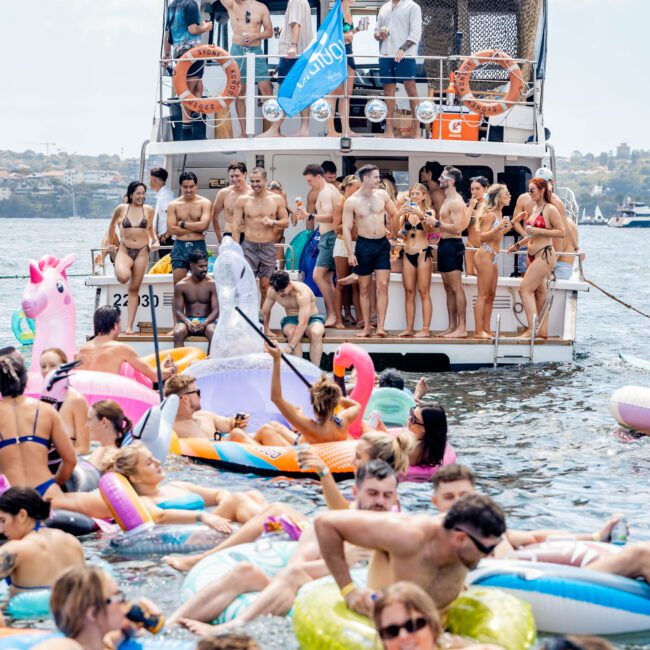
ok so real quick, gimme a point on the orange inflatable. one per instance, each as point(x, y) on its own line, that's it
point(183, 357)
point(267, 461)
point(489, 107)
point(207, 105)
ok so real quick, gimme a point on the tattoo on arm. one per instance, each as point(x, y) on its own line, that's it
point(7, 563)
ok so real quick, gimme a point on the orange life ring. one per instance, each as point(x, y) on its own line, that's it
point(207, 105)
point(489, 107)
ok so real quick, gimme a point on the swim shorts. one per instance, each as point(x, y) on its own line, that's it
point(284, 68)
point(182, 250)
point(326, 250)
point(451, 255)
point(239, 52)
point(372, 255)
point(261, 257)
point(391, 72)
point(563, 270)
point(293, 320)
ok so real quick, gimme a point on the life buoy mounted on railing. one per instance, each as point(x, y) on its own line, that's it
point(207, 105)
point(489, 107)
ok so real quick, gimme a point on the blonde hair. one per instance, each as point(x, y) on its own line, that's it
point(425, 192)
point(325, 397)
point(414, 599)
point(74, 592)
point(349, 180)
point(124, 460)
point(394, 450)
point(492, 197)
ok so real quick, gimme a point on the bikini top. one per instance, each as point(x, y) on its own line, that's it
point(37, 527)
point(409, 226)
point(539, 221)
point(189, 501)
point(126, 223)
point(33, 438)
point(347, 27)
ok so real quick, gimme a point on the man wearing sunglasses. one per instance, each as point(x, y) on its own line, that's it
point(250, 22)
point(452, 221)
point(433, 553)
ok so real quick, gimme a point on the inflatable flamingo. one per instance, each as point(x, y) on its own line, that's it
point(348, 355)
point(48, 300)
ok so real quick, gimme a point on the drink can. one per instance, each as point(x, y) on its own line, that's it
point(414, 204)
point(151, 622)
point(619, 532)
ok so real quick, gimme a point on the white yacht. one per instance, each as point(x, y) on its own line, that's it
point(507, 147)
point(631, 214)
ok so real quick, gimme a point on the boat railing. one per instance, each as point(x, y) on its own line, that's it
point(568, 198)
point(442, 117)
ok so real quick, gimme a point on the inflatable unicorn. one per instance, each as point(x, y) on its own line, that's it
point(49, 301)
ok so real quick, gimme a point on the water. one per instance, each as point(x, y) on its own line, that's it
point(541, 439)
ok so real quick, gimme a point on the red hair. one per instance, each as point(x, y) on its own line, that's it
point(542, 184)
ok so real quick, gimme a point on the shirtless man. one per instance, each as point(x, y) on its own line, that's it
point(106, 354)
point(193, 422)
point(374, 491)
point(302, 317)
point(429, 175)
point(327, 203)
point(188, 217)
point(452, 221)
point(195, 302)
point(250, 22)
point(367, 209)
point(258, 214)
point(433, 553)
point(226, 198)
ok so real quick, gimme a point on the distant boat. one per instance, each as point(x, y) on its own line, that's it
point(599, 217)
point(632, 214)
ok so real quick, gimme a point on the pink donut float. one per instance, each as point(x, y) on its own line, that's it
point(124, 503)
point(425, 472)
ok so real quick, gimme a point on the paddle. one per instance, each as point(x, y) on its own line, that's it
point(271, 344)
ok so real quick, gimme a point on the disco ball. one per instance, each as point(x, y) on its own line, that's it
point(272, 111)
point(321, 110)
point(376, 110)
point(426, 111)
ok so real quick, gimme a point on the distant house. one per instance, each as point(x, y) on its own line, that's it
point(5, 193)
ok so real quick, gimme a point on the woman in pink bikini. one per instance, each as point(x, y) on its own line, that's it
point(539, 229)
point(137, 239)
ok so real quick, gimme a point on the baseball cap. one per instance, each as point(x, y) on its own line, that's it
point(545, 173)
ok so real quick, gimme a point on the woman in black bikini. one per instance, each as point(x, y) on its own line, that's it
point(137, 239)
point(539, 228)
point(349, 30)
point(490, 227)
point(478, 186)
point(417, 220)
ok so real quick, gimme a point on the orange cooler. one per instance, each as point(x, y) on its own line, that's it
point(457, 126)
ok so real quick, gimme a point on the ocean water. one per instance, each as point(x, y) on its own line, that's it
point(540, 438)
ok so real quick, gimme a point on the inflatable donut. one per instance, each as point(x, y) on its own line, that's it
point(85, 477)
point(23, 327)
point(183, 357)
point(124, 503)
point(393, 404)
point(425, 472)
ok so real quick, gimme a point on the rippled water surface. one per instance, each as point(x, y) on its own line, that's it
point(541, 438)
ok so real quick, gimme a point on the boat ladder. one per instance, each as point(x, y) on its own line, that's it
point(521, 357)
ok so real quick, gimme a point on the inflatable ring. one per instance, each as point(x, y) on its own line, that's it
point(393, 404)
point(322, 621)
point(183, 357)
point(162, 266)
point(489, 108)
point(124, 503)
point(207, 105)
point(24, 335)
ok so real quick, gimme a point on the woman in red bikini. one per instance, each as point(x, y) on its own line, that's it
point(540, 228)
point(137, 239)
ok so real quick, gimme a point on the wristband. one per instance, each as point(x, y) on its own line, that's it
point(310, 217)
point(596, 537)
point(198, 517)
point(182, 224)
point(324, 473)
point(348, 589)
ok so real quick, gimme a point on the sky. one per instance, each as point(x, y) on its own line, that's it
point(82, 74)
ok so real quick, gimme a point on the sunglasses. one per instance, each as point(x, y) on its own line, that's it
point(445, 178)
point(247, 17)
point(191, 392)
point(411, 626)
point(119, 597)
point(412, 418)
point(486, 550)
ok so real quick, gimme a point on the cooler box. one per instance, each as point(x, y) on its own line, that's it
point(456, 126)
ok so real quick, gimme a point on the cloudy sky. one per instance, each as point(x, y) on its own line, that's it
point(82, 74)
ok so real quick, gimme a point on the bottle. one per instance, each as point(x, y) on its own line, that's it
point(152, 622)
point(619, 532)
point(451, 90)
point(374, 419)
point(299, 203)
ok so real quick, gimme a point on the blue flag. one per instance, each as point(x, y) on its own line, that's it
point(321, 68)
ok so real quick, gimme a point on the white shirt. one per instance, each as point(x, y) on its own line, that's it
point(163, 198)
point(404, 23)
point(299, 12)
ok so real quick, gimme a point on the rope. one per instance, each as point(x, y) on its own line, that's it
point(24, 277)
point(609, 295)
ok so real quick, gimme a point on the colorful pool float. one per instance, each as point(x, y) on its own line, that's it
point(630, 406)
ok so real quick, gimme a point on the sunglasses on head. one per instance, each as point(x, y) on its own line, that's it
point(412, 418)
point(191, 392)
point(247, 17)
point(486, 550)
point(411, 626)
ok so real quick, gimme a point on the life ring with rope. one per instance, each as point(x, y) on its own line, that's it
point(207, 105)
point(488, 108)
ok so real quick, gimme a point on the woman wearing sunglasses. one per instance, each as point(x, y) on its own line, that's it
point(428, 424)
